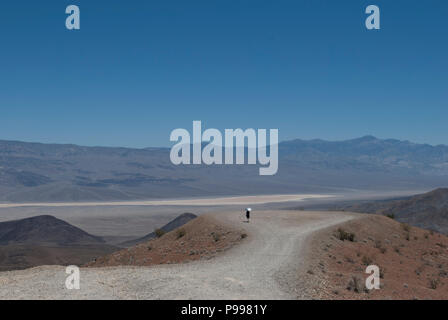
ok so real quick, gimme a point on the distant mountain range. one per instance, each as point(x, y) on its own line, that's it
point(428, 210)
point(35, 172)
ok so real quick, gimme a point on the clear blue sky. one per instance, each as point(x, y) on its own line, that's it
point(138, 69)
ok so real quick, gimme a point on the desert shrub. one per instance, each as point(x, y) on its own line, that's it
point(406, 227)
point(349, 259)
point(159, 232)
point(390, 215)
point(243, 236)
point(379, 246)
point(344, 235)
point(434, 283)
point(407, 237)
point(216, 237)
point(355, 284)
point(366, 260)
point(180, 233)
point(441, 245)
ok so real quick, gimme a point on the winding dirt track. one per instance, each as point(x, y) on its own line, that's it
point(267, 265)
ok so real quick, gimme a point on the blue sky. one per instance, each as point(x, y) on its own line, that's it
point(138, 69)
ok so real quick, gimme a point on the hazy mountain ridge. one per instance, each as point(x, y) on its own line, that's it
point(371, 152)
point(65, 172)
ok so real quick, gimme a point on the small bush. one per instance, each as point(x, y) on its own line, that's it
point(243, 236)
point(349, 260)
point(159, 232)
point(367, 260)
point(355, 284)
point(391, 215)
point(180, 233)
point(441, 245)
point(406, 227)
point(344, 235)
point(378, 244)
point(433, 284)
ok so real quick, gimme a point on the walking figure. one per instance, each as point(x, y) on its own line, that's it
point(248, 210)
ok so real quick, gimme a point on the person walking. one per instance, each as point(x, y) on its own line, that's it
point(248, 210)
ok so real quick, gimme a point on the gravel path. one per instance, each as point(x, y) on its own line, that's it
point(265, 266)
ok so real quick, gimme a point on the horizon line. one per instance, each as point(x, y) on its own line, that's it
point(372, 137)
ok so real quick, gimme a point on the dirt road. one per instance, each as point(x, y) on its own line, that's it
point(267, 265)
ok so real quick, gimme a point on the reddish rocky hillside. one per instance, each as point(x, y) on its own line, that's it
point(202, 237)
point(413, 261)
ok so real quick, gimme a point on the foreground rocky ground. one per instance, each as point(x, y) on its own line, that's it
point(413, 262)
point(268, 264)
point(278, 255)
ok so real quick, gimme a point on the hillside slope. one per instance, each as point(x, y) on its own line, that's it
point(202, 237)
point(46, 240)
point(44, 230)
point(428, 210)
point(170, 226)
point(413, 262)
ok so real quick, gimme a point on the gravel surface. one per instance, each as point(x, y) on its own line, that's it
point(267, 265)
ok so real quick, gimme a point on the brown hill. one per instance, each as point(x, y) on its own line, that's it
point(46, 240)
point(202, 237)
point(413, 262)
point(42, 230)
point(428, 210)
